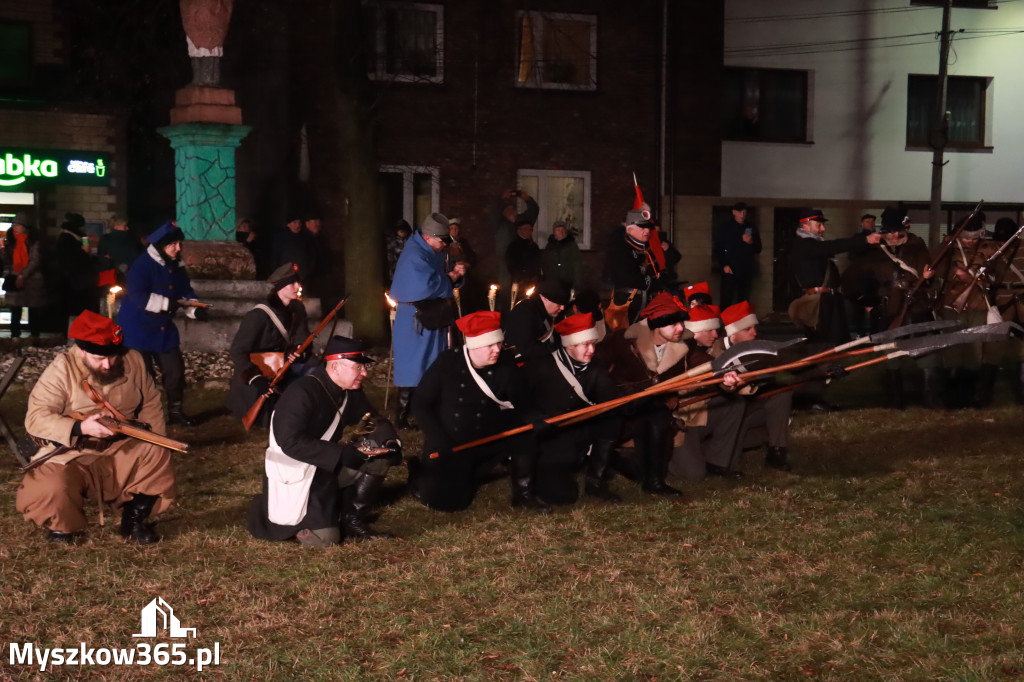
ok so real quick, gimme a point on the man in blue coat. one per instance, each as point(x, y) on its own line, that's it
point(420, 277)
point(156, 284)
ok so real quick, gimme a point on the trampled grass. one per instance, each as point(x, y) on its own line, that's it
point(892, 551)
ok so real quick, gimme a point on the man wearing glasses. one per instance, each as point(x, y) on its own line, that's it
point(423, 289)
point(317, 489)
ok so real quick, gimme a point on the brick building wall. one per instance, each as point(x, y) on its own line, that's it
point(55, 129)
point(479, 129)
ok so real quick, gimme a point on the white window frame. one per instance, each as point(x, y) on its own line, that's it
point(408, 174)
point(377, 67)
point(543, 227)
point(538, 20)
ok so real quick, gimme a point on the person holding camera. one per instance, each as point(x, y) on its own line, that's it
point(736, 244)
point(506, 219)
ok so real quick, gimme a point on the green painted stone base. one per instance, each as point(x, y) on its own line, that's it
point(204, 177)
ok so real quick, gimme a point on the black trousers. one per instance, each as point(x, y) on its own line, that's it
point(449, 481)
point(172, 369)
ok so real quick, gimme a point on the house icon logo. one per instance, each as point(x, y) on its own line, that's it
point(158, 615)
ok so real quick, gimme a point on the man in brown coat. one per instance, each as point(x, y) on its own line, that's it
point(129, 473)
point(643, 354)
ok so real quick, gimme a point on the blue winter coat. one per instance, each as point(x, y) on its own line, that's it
point(146, 319)
point(419, 275)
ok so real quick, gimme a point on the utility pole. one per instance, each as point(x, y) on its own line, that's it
point(940, 131)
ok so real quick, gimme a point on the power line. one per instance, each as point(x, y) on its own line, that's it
point(861, 43)
point(842, 13)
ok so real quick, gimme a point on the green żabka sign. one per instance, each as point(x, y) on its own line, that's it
point(23, 168)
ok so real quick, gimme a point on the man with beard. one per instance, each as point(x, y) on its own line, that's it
point(156, 283)
point(878, 281)
point(315, 488)
point(272, 329)
point(126, 472)
point(648, 352)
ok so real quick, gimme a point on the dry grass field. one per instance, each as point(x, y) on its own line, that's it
point(894, 550)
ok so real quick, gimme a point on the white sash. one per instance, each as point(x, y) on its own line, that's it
point(273, 318)
point(570, 378)
point(503, 404)
point(289, 480)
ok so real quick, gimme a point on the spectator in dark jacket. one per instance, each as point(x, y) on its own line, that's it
point(561, 257)
point(736, 245)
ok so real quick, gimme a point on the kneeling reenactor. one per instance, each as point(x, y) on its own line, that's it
point(465, 395)
point(564, 381)
point(90, 461)
point(314, 487)
point(267, 333)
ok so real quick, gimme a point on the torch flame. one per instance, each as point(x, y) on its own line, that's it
point(494, 287)
point(391, 301)
point(529, 292)
point(116, 289)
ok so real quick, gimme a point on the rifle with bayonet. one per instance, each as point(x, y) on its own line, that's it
point(946, 246)
point(961, 301)
point(250, 417)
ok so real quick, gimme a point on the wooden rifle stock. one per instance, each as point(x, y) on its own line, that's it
point(250, 417)
point(898, 320)
point(117, 422)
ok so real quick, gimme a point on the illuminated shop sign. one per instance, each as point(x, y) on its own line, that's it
point(26, 167)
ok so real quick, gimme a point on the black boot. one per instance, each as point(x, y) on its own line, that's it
point(133, 519)
point(523, 466)
point(403, 407)
point(933, 388)
point(60, 537)
point(412, 485)
point(655, 452)
point(986, 385)
point(176, 415)
point(894, 389)
point(358, 499)
point(954, 389)
point(776, 458)
point(595, 480)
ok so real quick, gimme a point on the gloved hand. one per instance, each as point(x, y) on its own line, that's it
point(394, 454)
point(834, 371)
point(543, 429)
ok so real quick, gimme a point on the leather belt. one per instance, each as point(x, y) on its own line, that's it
point(819, 290)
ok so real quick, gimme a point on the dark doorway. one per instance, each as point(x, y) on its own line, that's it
point(784, 289)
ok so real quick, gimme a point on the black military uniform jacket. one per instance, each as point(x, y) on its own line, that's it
point(529, 330)
point(451, 409)
point(258, 334)
point(303, 414)
point(554, 394)
point(628, 267)
point(810, 260)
